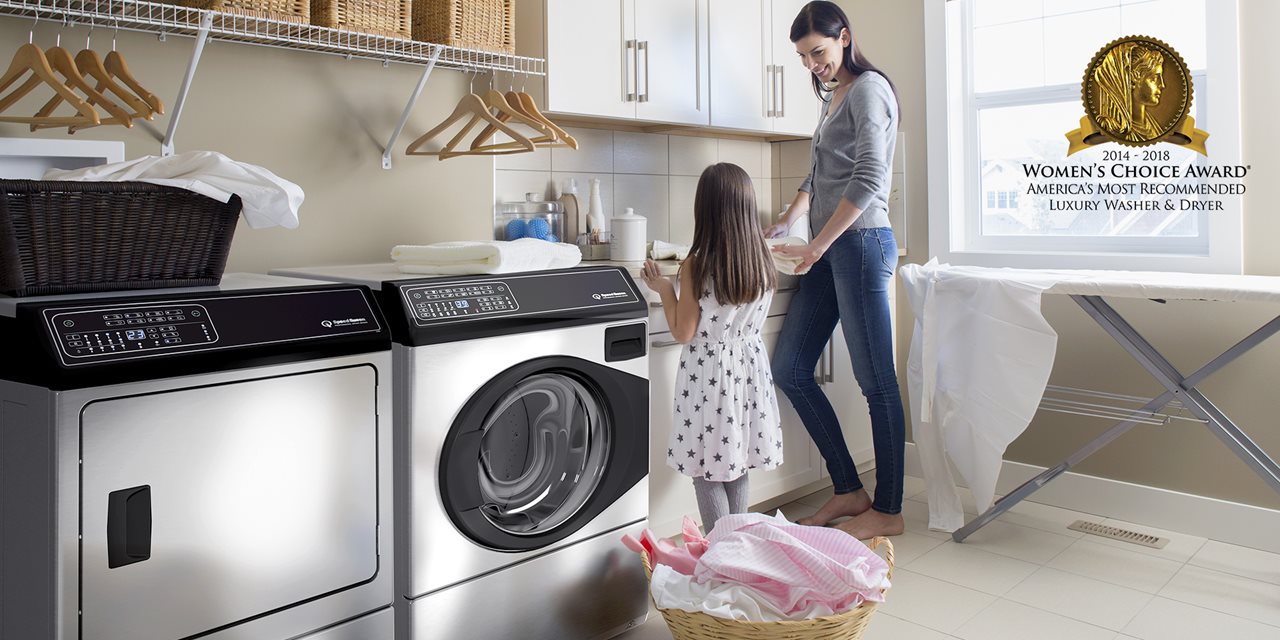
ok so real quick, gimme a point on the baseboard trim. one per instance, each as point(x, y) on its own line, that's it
point(1231, 522)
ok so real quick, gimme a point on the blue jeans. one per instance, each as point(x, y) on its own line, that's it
point(849, 285)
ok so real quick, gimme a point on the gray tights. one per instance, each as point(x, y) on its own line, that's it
point(718, 499)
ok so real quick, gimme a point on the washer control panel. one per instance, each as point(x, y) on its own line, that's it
point(435, 302)
point(85, 334)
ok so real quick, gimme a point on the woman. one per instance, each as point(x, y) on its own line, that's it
point(851, 260)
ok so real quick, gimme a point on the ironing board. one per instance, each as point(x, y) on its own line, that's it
point(1088, 289)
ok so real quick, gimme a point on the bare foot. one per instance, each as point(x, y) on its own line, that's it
point(839, 506)
point(872, 523)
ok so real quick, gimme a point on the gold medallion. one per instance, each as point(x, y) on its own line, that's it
point(1137, 91)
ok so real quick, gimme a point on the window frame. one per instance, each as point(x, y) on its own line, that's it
point(954, 159)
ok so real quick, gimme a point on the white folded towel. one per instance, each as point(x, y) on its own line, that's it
point(496, 256)
point(268, 199)
point(667, 251)
point(784, 263)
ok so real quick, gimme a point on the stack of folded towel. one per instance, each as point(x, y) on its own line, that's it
point(497, 256)
point(763, 568)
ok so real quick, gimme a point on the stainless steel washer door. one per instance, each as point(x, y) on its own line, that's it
point(205, 507)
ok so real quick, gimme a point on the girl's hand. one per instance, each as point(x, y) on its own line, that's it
point(808, 254)
point(653, 278)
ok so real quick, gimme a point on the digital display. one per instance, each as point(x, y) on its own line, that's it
point(461, 304)
point(135, 334)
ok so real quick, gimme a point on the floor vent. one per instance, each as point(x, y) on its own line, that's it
point(1124, 535)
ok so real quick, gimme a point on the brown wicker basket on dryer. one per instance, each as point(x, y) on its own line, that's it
point(488, 25)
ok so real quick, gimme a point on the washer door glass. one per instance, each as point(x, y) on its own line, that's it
point(542, 453)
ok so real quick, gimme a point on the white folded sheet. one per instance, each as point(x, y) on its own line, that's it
point(667, 251)
point(268, 199)
point(496, 256)
point(785, 263)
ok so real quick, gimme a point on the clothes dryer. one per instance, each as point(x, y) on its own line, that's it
point(205, 463)
point(522, 401)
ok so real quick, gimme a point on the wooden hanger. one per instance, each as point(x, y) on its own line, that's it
point(116, 66)
point(60, 59)
point(31, 58)
point(470, 106)
point(509, 108)
point(531, 108)
point(89, 64)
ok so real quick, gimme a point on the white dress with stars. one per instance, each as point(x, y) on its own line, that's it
point(726, 409)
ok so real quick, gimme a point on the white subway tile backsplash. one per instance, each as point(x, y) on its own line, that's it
point(744, 153)
point(511, 185)
point(593, 155)
point(690, 155)
point(796, 158)
point(648, 196)
point(683, 189)
point(640, 153)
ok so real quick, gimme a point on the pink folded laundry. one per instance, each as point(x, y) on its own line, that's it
point(793, 567)
point(681, 558)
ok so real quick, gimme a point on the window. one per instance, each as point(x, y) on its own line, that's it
point(1004, 87)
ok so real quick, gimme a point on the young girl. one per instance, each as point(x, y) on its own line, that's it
point(726, 412)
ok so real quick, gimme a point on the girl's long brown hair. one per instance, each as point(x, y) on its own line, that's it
point(729, 251)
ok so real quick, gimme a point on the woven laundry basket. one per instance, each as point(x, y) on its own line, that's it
point(847, 625)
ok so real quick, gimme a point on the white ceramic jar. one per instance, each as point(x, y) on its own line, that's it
point(628, 235)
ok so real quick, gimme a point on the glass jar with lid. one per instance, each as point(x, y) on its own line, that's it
point(533, 218)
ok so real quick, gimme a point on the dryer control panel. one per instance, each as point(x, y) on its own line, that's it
point(582, 292)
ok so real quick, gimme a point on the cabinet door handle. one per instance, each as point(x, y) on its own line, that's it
point(643, 46)
point(628, 71)
point(831, 361)
point(820, 374)
point(769, 112)
point(782, 91)
point(662, 344)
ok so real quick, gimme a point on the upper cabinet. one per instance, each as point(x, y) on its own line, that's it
point(629, 59)
point(757, 81)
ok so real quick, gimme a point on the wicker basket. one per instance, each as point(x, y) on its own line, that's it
point(488, 25)
point(69, 237)
point(378, 17)
point(287, 10)
point(848, 625)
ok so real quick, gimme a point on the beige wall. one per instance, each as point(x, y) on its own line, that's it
point(1181, 456)
point(317, 120)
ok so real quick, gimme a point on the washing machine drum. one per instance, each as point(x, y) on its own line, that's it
point(542, 449)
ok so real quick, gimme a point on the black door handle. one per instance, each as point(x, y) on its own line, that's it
point(624, 342)
point(128, 526)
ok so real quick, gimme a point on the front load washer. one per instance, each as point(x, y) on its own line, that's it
point(524, 399)
point(208, 463)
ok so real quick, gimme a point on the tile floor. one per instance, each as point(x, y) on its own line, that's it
point(1027, 576)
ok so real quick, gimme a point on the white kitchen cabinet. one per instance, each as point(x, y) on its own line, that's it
point(757, 82)
point(628, 59)
point(670, 492)
point(801, 463)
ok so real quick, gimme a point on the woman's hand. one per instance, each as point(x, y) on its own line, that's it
point(807, 253)
point(776, 230)
point(653, 278)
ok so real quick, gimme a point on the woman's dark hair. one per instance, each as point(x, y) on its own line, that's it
point(729, 252)
point(827, 19)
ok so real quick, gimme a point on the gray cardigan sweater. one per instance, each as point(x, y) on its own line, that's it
point(853, 155)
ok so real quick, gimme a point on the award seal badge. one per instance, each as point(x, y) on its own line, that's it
point(1137, 92)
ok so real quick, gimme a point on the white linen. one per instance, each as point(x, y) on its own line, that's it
point(785, 263)
point(674, 590)
point(667, 251)
point(268, 200)
point(981, 355)
point(495, 256)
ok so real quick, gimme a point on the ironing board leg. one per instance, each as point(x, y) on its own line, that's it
point(1178, 387)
